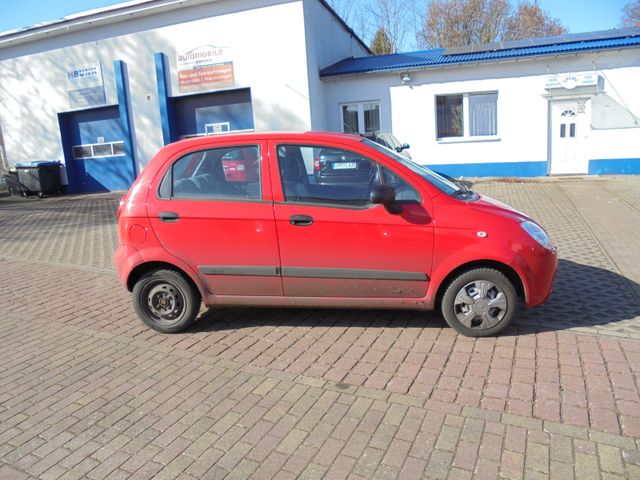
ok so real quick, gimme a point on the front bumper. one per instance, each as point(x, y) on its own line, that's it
point(541, 265)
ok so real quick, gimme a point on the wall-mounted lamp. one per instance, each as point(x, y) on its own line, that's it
point(405, 77)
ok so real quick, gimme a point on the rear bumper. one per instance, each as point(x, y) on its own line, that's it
point(125, 259)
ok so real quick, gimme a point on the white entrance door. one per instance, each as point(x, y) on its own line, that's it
point(568, 131)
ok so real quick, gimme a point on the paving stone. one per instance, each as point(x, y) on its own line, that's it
point(586, 466)
point(610, 459)
point(537, 457)
point(440, 464)
point(289, 444)
point(368, 462)
point(93, 393)
point(448, 438)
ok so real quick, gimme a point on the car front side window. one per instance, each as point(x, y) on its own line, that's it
point(325, 175)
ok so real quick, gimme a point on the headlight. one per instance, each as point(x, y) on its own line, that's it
point(537, 233)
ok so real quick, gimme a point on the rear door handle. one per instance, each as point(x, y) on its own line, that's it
point(168, 217)
point(301, 220)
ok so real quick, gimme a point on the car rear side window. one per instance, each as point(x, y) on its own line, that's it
point(325, 175)
point(230, 172)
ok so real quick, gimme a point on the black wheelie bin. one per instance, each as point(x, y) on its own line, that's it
point(39, 177)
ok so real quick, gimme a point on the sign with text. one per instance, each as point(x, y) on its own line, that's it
point(84, 85)
point(204, 68)
point(570, 81)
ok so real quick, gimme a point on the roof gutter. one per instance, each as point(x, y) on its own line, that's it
point(92, 19)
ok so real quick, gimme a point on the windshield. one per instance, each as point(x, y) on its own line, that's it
point(389, 140)
point(430, 176)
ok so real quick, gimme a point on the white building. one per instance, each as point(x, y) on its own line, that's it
point(560, 105)
point(102, 91)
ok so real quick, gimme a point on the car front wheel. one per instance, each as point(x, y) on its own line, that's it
point(165, 301)
point(479, 302)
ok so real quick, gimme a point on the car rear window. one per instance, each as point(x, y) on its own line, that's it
point(230, 172)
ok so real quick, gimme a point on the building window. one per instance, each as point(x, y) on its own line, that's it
point(96, 150)
point(360, 117)
point(467, 115)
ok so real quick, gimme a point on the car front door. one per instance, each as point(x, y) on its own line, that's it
point(333, 241)
point(221, 225)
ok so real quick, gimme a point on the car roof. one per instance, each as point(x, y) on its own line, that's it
point(268, 135)
point(211, 141)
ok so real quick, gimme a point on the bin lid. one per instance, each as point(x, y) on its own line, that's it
point(38, 163)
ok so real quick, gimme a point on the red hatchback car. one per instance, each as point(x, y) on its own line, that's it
point(403, 237)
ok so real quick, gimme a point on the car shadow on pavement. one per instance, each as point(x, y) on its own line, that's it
point(240, 318)
point(583, 296)
point(587, 296)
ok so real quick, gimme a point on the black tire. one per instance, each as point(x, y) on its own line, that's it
point(165, 301)
point(479, 302)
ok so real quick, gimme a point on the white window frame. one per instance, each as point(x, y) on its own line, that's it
point(360, 106)
point(466, 122)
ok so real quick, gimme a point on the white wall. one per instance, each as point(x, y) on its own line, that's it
point(327, 43)
point(409, 110)
point(621, 84)
point(358, 89)
point(522, 120)
point(267, 38)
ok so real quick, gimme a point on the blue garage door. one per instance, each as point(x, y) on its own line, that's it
point(209, 113)
point(95, 150)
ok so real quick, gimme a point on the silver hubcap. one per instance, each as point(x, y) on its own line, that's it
point(480, 304)
point(165, 301)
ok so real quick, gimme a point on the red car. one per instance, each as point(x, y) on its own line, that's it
point(402, 238)
point(241, 165)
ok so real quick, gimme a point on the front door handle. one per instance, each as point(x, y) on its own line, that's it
point(301, 220)
point(168, 217)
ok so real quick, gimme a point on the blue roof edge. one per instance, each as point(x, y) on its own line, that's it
point(436, 57)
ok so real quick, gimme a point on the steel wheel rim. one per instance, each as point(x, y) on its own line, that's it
point(164, 302)
point(480, 305)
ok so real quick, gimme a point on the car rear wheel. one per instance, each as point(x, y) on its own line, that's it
point(479, 302)
point(165, 301)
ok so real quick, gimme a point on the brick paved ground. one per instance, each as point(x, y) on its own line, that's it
point(87, 392)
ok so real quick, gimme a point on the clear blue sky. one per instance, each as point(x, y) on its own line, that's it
point(582, 16)
point(586, 15)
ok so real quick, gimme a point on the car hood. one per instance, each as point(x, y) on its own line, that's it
point(490, 205)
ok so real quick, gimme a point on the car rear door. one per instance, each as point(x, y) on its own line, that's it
point(221, 226)
point(334, 243)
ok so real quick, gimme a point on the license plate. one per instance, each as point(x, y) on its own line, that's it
point(344, 165)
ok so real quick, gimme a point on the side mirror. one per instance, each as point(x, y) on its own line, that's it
point(385, 195)
point(405, 146)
